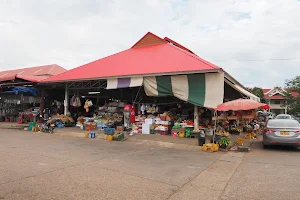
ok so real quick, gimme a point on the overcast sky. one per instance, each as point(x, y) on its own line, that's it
point(257, 42)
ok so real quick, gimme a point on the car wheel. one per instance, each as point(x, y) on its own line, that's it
point(266, 146)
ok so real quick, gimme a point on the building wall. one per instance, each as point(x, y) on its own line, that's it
point(278, 111)
point(277, 106)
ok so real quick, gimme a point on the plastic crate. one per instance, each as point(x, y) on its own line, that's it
point(60, 126)
point(31, 125)
point(92, 135)
point(118, 136)
point(109, 131)
point(101, 126)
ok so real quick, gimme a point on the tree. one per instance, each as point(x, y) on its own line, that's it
point(292, 95)
point(257, 91)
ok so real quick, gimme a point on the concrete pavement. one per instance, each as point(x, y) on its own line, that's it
point(266, 174)
point(44, 166)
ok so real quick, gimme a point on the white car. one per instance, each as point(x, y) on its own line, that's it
point(283, 116)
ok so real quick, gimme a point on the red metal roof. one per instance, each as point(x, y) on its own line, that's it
point(176, 44)
point(265, 90)
point(162, 58)
point(32, 74)
point(277, 96)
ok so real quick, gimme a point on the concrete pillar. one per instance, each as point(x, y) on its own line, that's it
point(196, 117)
point(66, 101)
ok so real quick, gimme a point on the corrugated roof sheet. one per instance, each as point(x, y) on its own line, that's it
point(33, 74)
point(265, 90)
point(162, 58)
point(276, 96)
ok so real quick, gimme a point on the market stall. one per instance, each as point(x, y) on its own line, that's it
point(19, 104)
point(236, 117)
point(21, 98)
point(166, 70)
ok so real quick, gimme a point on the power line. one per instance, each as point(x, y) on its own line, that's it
point(259, 60)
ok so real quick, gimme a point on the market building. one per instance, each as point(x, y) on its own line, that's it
point(155, 78)
point(20, 95)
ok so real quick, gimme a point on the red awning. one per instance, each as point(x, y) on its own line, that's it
point(144, 58)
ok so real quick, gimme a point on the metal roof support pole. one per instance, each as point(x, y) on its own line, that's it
point(66, 101)
point(42, 101)
point(196, 117)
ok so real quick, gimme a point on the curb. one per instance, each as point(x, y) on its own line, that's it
point(165, 144)
point(13, 127)
point(77, 134)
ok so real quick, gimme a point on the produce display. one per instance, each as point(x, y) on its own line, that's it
point(236, 130)
point(63, 118)
point(224, 133)
point(100, 122)
point(110, 119)
point(188, 122)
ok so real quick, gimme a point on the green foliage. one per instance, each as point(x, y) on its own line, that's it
point(293, 102)
point(224, 141)
point(294, 84)
point(257, 91)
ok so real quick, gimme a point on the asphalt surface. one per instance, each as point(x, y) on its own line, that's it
point(43, 166)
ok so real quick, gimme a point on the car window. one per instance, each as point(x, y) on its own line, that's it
point(285, 124)
point(283, 117)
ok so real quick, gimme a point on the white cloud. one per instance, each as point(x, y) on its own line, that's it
point(74, 32)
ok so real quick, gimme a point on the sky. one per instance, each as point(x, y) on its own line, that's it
point(257, 42)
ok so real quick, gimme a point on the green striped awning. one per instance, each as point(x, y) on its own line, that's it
point(205, 90)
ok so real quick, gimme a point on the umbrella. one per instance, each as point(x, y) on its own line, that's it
point(240, 104)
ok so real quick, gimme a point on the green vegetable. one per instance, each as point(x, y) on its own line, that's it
point(176, 126)
point(224, 141)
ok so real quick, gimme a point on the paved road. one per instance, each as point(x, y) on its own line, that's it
point(42, 166)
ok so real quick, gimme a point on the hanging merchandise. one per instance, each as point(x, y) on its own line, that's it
point(87, 105)
point(143, 108)
point(75, 101)
point(156, 109)
point(58, 104)
point(72, 100)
